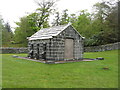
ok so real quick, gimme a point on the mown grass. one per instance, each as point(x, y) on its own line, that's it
point(0, 71)
point(19, 73)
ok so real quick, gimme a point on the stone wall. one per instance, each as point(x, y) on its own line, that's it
point(106, 47)
point(13, 50)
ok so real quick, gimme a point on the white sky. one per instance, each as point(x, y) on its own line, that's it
point(12, 10)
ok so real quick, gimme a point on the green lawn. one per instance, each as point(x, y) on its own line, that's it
point(19, 73)
point(0, 71)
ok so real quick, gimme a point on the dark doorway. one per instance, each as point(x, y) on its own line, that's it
point(44, 51)
point(37, 54)
point(31, 51)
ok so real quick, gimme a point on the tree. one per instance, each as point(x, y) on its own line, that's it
point(33, 22)
point(112, 24)
point(44, 11)
point(1, 29)
point(26, 27)
point(101, 12)
point(83, 24)
point(105, 23)
point(73, 18)
point(56, 21)
point(6, 33)
point(64, 17)
point(8, 28)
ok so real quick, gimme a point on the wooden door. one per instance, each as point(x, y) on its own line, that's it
point(68, 48)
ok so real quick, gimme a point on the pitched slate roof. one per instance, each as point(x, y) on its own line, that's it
point(47, 33)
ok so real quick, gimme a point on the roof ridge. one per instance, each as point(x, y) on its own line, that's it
point(54, 26)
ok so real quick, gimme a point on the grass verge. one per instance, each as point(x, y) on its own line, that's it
point(19, 73)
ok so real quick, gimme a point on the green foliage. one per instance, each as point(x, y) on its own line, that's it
point(64, 18)
point(73, 18)
point(5, 33)
point(26, 27)
point(20, 73)
point(99, 27)
point(7, 27)
point(104, 24)
point(61, 19)
point(44, 11)
point(83, 24)
point(56, 21)
point(103, 28)
point(33, 22)
point(1, 29)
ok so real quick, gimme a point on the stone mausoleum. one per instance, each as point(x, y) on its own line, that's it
point(56, 43)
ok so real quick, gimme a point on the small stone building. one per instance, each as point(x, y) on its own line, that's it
point(56, 43)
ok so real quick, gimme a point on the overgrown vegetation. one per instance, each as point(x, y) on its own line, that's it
point(20, 73)
point(99, 27)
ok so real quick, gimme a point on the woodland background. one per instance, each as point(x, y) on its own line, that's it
point(99, 27)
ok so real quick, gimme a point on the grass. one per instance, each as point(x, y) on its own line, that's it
point(0, 71)
point(19, 73)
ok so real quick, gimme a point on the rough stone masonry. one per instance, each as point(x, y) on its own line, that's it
point(56, 43)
